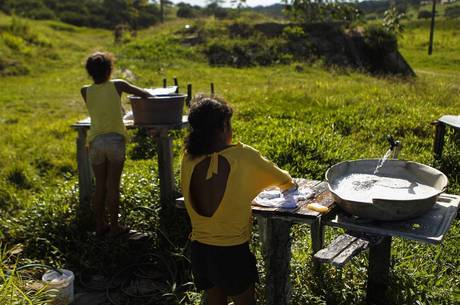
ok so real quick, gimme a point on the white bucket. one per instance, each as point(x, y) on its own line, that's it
point(63, 283)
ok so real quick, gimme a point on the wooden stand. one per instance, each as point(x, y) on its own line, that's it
point(440, 130)
point(165, 163)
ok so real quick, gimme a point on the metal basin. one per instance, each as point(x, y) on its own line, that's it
point(400, 190)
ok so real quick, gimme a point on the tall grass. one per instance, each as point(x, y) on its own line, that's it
point(18, 288)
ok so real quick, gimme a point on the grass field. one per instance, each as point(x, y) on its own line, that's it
point(304, 121)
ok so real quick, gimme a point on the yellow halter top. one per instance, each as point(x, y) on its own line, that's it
point(104, 107)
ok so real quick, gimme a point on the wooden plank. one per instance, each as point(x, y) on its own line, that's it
point(86, 123)
point(378, 271)
point(322, 197)
point(353, 249)
point(335, 248)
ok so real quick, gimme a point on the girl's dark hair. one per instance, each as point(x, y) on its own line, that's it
point(100, 65)
point(208, 117)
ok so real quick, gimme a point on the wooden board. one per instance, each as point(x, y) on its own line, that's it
point(322, 197)
point(86, 123)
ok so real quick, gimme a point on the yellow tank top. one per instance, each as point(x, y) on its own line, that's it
point(104, 107)
point(250, 173)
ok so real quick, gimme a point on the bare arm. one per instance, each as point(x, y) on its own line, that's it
point(124, 86)
point(83, 92)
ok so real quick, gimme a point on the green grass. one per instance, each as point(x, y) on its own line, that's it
point(304, 121)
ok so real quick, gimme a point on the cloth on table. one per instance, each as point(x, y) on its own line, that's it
point(286, 200)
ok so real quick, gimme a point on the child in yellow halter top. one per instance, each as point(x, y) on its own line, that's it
point(219, 181)
point(107, 139)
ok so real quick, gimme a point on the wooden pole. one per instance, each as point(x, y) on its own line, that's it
point(85, 178)
point(162, 12)
point(378, 271)
point(165, 167)
point(439, 140)
point(433, 13)
point(176, 83)
point(212, 88)
point(317, 241)
point(165, 82)
point(189, 95)
point(276, 245)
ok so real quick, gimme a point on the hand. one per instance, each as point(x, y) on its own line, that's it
point(292, 189)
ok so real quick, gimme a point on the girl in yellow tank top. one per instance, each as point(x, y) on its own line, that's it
point(107, 138)
point(219, 181)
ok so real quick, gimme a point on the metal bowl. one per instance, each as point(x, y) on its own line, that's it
point(400, 190)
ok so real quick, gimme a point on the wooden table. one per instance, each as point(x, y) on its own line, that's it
point(275, 225)
point(276, 241)
point(452, 121)
point(165, 159)
point(430, 228)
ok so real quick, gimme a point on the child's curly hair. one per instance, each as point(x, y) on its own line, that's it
point(99, 65)
point(207, 118)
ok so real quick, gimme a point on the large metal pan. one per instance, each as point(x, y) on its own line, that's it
point(400, 190)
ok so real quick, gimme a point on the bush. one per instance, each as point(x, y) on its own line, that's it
point(424, 14)
point(452, 12)
point(15, 43)
point(73, 18)
point(219, 55)
point(380, 40)
point(186, 11)
point(11, 67)
point(240, 29)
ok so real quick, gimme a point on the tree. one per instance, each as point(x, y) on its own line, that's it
point(311, 11)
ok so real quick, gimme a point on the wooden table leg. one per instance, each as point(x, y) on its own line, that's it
point(439, 140)
point(317, 240)
point(165, 167)
point(378, 271)
point(276, 245)
point(85, 177)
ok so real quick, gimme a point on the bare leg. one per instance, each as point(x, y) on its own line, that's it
point(215, 296)
point(114, 170)
point(98, 200)
point(245, 298)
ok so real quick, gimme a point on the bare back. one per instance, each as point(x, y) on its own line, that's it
point(207, 194)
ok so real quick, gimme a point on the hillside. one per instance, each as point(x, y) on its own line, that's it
point(302, 116)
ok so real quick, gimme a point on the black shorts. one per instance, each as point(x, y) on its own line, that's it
point(231, 268)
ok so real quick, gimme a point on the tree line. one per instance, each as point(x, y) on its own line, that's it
point(92, 13)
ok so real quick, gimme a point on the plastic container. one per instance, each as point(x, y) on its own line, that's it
point(63, 283)
point(158, 110)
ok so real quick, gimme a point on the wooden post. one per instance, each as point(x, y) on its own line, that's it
point(189, 95)
point(438, 139)
point(176, 83)
point(212, 88)
point(85, 177)
point(165, 82)
point(162, 11)
point(276, 248)
point(165, 167)
point(433, 13)
point(378, 271)
point(317, 241)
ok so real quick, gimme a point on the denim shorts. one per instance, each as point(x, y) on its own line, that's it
point(231, 268)
point(107, 147)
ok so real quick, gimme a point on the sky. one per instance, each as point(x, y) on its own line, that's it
point(248, 2)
